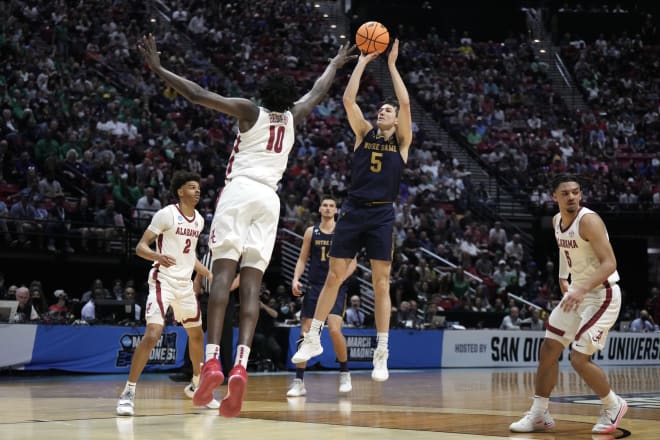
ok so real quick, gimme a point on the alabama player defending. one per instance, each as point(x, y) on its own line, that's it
point(176, 227)
point(316, 243)
point(244, 225)
point(587, 311)
point(367, 217)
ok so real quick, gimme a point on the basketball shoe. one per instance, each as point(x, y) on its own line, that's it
point(233, 401)
point(380, 373)
point(345, 382)
point(533, 422)
point(189, 391)
point(610, 417)
point(309, 347)
point(210, 378)
point(297, 388)
point(125, 406)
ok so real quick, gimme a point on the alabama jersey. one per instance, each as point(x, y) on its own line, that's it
point(177, 236)
point(577, 253)
point(262, 152)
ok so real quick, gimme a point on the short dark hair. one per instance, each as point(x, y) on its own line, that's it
point(562, 178)
point(391, 100)
point(180, 178)
point(277, 92)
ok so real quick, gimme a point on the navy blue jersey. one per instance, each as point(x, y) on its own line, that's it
point(376, 170)
point(318, 262)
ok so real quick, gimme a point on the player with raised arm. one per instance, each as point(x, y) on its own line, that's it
point(244, 225)
point(588, 310)
point(175, 228)
point(367, 217)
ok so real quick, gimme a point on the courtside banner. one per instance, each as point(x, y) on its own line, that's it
point(408, 348)
point(103, 349)
point(518, 348)
point(16, 344)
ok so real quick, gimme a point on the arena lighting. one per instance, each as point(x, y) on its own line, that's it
point(342, 36)
point(542, 51)
point(536, 40)
point(316, 5)
point(153, 20)
point(333, 26)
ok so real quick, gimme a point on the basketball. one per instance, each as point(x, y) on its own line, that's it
point(372, 36)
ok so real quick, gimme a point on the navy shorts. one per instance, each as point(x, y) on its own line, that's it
point(311, 297)
point(371, 227)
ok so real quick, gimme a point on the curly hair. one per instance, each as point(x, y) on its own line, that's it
point(277, 92)
point(180, 178)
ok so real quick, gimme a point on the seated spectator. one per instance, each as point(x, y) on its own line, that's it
point(534, 322)
point(146, 207)
point(643, 324)
point(60, 311)
point(25, 311)
point(354, 317)
point(512, 320)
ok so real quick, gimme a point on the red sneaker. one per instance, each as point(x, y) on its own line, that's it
point(210, 378)
point(231, 404)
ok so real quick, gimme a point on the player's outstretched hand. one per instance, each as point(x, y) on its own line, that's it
point(344, 55)
point(147, 48)
point(394, 53)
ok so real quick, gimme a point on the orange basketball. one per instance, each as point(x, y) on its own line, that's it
point(372, 37)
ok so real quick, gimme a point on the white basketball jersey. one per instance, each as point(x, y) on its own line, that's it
point(262, 152)
point(177, 236)
point(582, 262)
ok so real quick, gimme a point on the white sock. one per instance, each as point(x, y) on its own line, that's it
point(195, 380)
point(242, 355)
point(130, 386)
point(212, 351)
point(610, 400)
point(540, 405)
point(316, 327)
point(382, 340)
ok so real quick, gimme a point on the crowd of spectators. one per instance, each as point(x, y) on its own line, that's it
point(90, 138)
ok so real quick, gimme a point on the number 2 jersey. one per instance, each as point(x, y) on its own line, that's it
point(262, 152)
point(177, 236)
point(577, 253)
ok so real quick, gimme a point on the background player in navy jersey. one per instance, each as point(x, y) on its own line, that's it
point(367, 217)
point(244, 225)
point(315, 248)
point(177, 228)
point(583, 318)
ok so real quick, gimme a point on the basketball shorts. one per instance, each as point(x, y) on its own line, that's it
point(165, 292)
point(311, 297)
point(588, 326)
point(371, 227)
point(244, 225)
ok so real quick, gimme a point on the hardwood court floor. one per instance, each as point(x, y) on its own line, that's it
point(412, 405)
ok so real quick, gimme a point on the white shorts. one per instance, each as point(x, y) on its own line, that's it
point(244, 225)
point(165, 292)
point(587, 327)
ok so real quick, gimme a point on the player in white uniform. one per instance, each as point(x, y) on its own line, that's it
point(244, 226)
point(175, 228)
point(589, 308)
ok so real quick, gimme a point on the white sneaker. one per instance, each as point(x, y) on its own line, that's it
point(125, 406)
point(533, 422)
point(297, 389)
point(345, 382)
point(610, 417)
point(189, 391)
point(380, 373)
point(309, 347)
